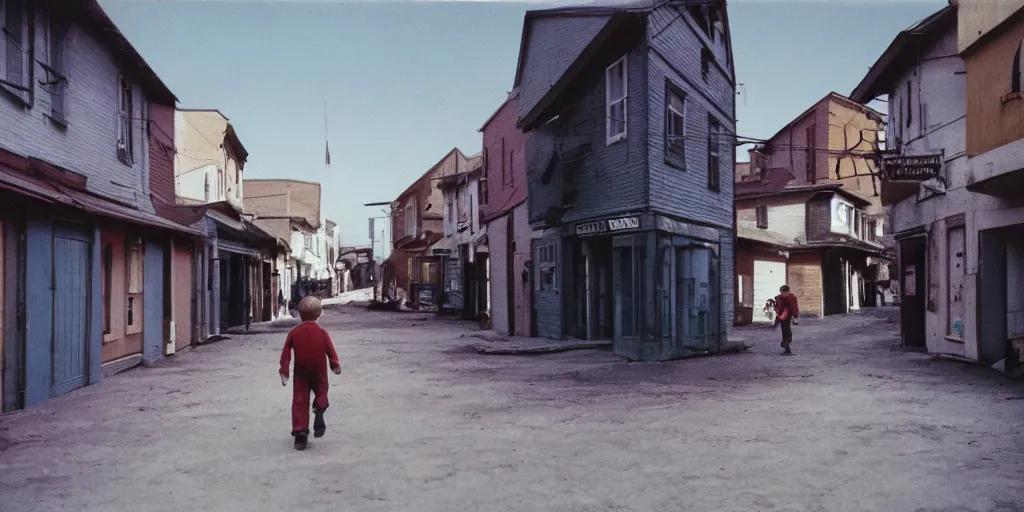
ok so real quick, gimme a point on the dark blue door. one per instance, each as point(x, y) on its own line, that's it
point(71, 250)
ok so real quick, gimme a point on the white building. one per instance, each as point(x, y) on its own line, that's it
point(954, 258)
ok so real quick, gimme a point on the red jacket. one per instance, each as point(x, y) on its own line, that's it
point(786, 307)
point(313, 348)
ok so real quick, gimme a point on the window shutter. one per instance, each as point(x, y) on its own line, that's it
point(14, 26)
point(58, 94)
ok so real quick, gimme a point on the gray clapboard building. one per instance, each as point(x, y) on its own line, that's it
point(631, 116)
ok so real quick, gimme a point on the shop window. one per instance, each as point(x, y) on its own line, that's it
point(547, 266)
point(135, 286)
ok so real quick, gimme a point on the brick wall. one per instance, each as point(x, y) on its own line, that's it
point(161, 153)
point(504, 149)
point(88, 144)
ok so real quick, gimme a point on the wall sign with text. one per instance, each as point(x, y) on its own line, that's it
point(613, 225)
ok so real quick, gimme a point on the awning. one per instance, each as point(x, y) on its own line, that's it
point(41, 190)
point(236, 248)
point(105, 208)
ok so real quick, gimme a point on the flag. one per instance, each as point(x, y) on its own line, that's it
point(327, 159)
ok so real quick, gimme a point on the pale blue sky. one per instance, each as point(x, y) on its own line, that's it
point(406, 82)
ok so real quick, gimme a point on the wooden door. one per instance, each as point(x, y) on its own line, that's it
point(70, 343)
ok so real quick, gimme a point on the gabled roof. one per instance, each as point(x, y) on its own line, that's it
point(511, 96)
point(831, 96)
point(409, 189)
point(96, 19)
point(576, 12)
point(900, 53)
point(619, 14)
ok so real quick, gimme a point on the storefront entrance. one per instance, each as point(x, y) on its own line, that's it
point(665, 293)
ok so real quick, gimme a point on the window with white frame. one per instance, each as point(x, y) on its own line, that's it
point(125, 109)
point(616, 92)
point(410, 219)
point(14, 46)
point(1016, 70)
point(675, 126)
point(547, 257)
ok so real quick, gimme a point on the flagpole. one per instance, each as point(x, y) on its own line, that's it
point(327, 144)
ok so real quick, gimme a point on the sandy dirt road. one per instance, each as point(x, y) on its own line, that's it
point(420, 424)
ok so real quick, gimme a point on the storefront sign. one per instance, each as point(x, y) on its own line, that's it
point(608, 225)
point(441, 252)
point(911, 168)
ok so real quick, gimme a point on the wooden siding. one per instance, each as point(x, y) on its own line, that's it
point(993, 121)
point(805, 280)
point(785, 217)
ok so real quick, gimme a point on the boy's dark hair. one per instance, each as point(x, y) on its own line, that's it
point(309, 308)
point(784, 288)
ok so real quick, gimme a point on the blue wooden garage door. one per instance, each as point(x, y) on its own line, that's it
point(70, 310)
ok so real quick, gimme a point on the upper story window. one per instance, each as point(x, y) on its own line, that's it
point(616, 92)
point(307, 241)
point(206, 188)
point(15, 64)
point(675, 126)
point(762, 217)
point(57, 71)
point(714, 153)
point(410, 219)
point(125, 109)
point(847, 219)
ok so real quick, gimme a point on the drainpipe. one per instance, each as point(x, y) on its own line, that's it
point(169, 349)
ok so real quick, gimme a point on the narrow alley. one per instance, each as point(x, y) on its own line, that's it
point(420, 422)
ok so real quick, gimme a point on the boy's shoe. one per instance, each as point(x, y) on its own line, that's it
point(301, 441)
point(319, 425)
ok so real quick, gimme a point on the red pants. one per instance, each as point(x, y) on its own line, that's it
point(303, 383)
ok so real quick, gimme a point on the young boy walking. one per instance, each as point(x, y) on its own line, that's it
point(313, 350)
point(787, 313)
